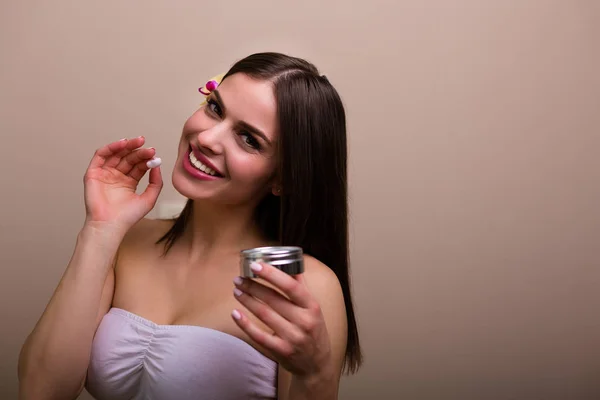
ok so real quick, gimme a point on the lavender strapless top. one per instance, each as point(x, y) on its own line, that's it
point(134, 358)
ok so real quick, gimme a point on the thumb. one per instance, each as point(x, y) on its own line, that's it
point(155, 184)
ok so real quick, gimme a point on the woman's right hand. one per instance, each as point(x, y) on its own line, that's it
point(111, 181)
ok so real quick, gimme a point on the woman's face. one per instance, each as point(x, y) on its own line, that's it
point(227, 151)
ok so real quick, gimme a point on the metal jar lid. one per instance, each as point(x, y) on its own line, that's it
point(288, 259)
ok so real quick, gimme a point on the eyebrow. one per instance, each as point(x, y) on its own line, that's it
point(243, 124)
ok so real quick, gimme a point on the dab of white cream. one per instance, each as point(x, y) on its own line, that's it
point(155, 162)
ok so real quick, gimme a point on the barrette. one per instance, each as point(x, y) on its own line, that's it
point(211, 85)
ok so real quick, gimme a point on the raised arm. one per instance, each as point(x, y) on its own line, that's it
point(54, 358)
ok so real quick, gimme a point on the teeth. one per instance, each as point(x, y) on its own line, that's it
point(200, 166)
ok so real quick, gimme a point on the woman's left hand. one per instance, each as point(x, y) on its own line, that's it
point(300, 341)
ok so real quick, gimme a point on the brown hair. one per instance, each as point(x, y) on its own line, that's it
point(312, 210)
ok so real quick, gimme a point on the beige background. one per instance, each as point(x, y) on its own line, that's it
point(474, 138)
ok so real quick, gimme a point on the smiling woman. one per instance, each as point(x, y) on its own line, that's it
point(156, 309)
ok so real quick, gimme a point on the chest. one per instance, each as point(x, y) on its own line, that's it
point(171, 292)
point(134, 358)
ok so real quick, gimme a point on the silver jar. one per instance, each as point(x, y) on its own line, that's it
point(288, 259)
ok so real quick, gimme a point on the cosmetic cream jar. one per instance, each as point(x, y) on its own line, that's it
point(288, 259)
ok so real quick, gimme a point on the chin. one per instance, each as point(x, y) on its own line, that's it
point(187, 187)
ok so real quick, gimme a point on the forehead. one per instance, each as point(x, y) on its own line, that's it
point(251, 101)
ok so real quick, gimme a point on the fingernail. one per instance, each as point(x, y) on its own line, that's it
point(238, 280)
point(237, 292)
point(155, 162)
point(256, 267)
point(122, 140)
point(152, 148)
point(236, 314)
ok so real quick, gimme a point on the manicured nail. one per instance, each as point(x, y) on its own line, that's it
point(237, 292)
point(256, 267)
point(238, 280)
point(155, 162)
point(236, 314)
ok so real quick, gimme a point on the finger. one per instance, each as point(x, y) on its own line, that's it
point(267, 295)
point(281, 326)
point(154, 187)
point(104, 153)
point(292, 287)
point(132, 144)
point(139, 170)
point(271, 343)
point(130, 160)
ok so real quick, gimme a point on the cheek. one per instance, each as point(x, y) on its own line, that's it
point(196, 122)
point(252, 169)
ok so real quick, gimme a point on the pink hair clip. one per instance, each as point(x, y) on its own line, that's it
point(210, 86)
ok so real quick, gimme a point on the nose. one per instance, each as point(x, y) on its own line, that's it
point(211, 140)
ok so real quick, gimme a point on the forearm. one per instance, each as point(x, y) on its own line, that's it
point(56, 353)
point(317, 388)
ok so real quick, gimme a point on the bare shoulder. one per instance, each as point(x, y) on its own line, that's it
point(321, 279)
point(326, 289)
point(147, 230)
point(143, 236)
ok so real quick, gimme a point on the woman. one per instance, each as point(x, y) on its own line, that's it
point(154, 309)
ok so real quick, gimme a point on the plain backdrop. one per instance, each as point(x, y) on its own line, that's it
point(474, 130)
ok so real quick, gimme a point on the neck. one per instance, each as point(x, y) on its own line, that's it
point(216, 229)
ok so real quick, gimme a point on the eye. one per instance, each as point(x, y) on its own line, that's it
point(214, 107)
point(250, 140)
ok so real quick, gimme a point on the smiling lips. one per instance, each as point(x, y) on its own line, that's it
point(199, 167)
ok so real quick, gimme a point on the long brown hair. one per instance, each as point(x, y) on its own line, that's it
point(312, 209)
